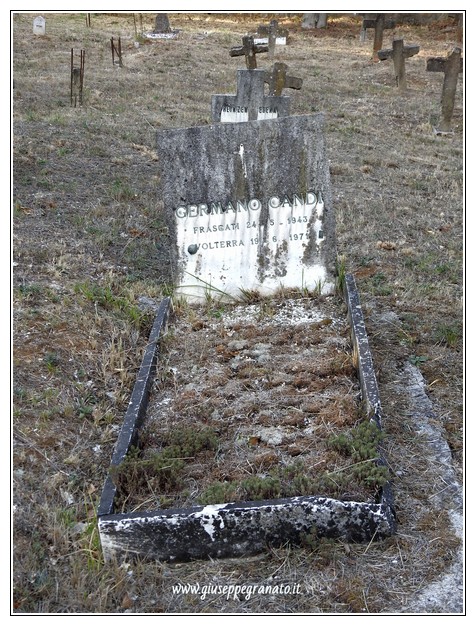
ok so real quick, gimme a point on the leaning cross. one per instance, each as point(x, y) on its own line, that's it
point(379, 24)
point(279, 80)
point(249, 49)
point(399, 53)
point(451, 66)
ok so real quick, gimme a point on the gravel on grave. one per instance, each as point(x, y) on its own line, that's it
point(273, 381)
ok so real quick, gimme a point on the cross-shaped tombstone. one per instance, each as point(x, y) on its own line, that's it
point(451, 66)
point(379, 25)
point(249, 49)
point(271, 35)
point(279, 80)
point(399, 53)
point(249, 103)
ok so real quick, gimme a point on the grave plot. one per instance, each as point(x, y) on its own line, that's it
point(264, 428)
point(254, 402)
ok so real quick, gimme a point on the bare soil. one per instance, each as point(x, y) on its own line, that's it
point(91, 249)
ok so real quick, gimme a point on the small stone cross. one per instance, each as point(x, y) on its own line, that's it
point(399, 53)
point(451, 66)
point(279, 80)
point(249, 49)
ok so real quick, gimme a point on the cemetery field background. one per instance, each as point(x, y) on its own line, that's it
point(90, 248)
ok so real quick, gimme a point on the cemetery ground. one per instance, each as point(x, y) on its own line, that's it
point(90, 250)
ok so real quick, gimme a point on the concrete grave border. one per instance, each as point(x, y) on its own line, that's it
point(241, 528)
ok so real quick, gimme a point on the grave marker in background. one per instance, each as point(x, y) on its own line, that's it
point(39, 26)
point(452, 66)
point(379, 24)
point(399, 53)
point(249, 206)
point(271, 35)
point(249, 50)
point(162, 28)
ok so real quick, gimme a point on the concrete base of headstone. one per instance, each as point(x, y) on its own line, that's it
point(245, 528)
point(249, 206)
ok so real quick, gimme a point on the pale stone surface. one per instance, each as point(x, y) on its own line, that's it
point(249, 206)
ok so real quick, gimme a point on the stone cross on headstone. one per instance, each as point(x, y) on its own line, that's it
point(451, 66)
point(399, 53)
point(379, 25)
point(249, 49)
point(279, 80)
point(271, 35)
point(250, 103)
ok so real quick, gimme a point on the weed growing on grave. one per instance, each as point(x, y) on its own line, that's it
point(448, 334)
point(341, 270)
point(362, 446)
point(160, 470)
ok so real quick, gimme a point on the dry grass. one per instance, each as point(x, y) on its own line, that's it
point(89, 242)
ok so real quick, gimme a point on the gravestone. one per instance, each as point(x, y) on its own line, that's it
point(249, 50)
point(248, 206)
point(271, 35)
point(399, 52)
point(250, 102)
point(39, 26)
point(162, 28)
point(452, 66)
point(162, 24)
point(379, 24)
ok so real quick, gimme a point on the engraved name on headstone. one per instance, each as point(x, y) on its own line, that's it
point(250, 102)
point(249, 206)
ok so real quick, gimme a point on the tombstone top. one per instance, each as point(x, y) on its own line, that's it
point(440, 64)
point(249, 49)
point(250, 102)
point(273, 29)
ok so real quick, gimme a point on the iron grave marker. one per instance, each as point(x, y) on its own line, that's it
point(249, 206)
point(250, 101)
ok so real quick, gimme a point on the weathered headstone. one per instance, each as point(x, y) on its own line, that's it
point(249, 206)
point(39, 26)
point(399, 52)
point(250, 102)
point(162, 24)
point(379, 24)
point(249, 50)
point(452, 66)
point(162, 28)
